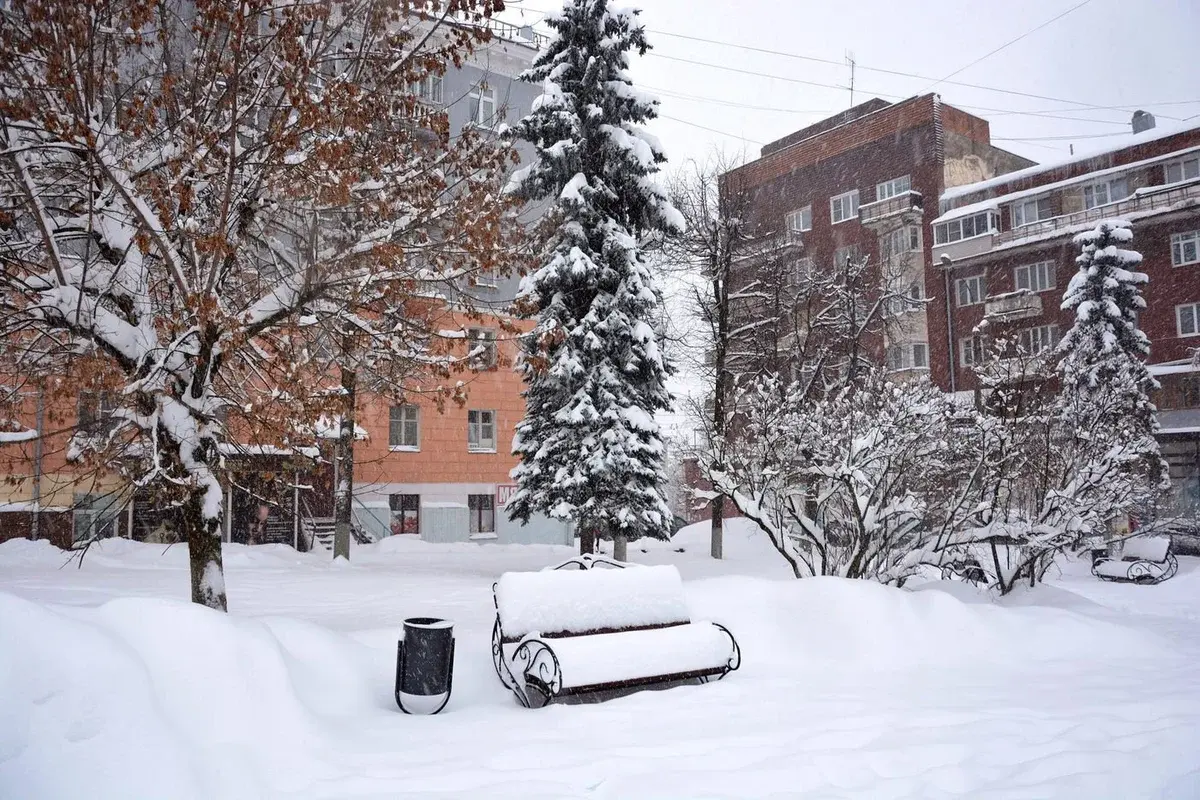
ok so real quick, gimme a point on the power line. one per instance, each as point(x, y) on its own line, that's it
point(1008, 44)
point(886, 95)
point(711, 130)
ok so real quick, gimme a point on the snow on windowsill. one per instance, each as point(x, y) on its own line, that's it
point(481, 450)
point(483, 537)
point(403, 448)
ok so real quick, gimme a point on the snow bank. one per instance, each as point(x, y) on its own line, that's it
point(588, 600)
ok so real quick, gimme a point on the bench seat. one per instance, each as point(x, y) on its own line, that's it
point(571, 632)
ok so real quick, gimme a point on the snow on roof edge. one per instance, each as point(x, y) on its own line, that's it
point(1155, 134)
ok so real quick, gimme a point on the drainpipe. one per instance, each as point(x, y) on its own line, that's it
point(39, 424)
point(947, 265)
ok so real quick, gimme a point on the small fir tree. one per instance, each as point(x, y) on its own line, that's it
point(591, 451)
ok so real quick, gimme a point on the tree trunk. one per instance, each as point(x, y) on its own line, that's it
point(587, 539)
point(343, 493)
point(620, 547)
point(204, 554)
point(717, 549)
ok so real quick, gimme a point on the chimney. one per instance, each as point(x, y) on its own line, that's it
point(1142, 121)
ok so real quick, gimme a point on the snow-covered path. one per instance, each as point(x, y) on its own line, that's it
point(113, 687)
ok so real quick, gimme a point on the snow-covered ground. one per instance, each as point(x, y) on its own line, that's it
point(112, 686)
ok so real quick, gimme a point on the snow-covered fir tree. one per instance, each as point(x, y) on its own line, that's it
point(1103, 364)
point(591, 451)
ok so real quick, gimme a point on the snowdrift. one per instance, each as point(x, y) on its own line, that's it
point(156, 698)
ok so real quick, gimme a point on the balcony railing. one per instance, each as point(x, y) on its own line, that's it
point(1013, 305)
point(902, 203)
point(1158, 197)
point(517, 33)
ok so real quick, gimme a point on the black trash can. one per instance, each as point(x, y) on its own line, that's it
point(425, 665)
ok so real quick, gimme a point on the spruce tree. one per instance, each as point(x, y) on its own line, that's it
point(591, 451)
point(1106, 385)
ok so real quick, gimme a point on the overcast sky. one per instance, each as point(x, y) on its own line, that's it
point(1125, 53)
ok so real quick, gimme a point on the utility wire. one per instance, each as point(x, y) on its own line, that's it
point(711, 130)
point(1009, 43)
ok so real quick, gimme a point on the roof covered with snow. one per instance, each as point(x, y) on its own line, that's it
point(1146, 137)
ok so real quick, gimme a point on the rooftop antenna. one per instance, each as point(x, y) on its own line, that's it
point(850, 61)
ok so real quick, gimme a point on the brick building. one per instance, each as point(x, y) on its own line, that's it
point(441, 474)
point(981, 233)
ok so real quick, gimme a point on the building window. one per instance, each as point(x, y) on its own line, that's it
point(1189, 393)
point(481, 104)
point(1185, 248)
point(914, 355)
point(895, 186)
point(1035, 277)
point(1038, 340)
point(800, 220)
point(482, 508)
point(900, 242)
point(481, 431)
point(851, 253)
point(95, 411)
point(910, 299)
point(1187, 318)
point(482, 342)
point(1185, 169)
point(406, 513)
point(1105, 192)
point(429, 88)
point(971, 291)
point(970, 350)
point(966, 227)
point(404, 427)
point(801, 273)
point(843, 207)
point(1028, 212)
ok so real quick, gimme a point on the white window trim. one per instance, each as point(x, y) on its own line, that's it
point(798, 214)
point(1179, 162)
point(958, 291)
point(490, 356)
point(405, 448)
point(962, 351)
point(887, 189)
point(992, 222)
point(852, 195)
point(478, 94)
point(1052, 272)
point(1035, 201)
point(476, 448)
point(1054, 336)
point(1195, 320)
point(1107, 183)
point(1179, 237)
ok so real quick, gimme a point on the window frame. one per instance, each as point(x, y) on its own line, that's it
point(1179, 241)
point(1181, 164)
point(475, 430)
point(1036, 202)
point(1047, 266)
point(487, 337)
point(397, 506)
point(959, 283)
point(850, 251)
point(888, 189)
point(1109, 196)
point(1195, 310)
point(403, 422)
point(1025, 338)
point(476, 512)
point(975, 349)
point(991, 222)
point(800, 214)
point(837, 201)
point(478, 97)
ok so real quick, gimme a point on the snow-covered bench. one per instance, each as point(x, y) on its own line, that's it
point(600, 632)
point(1143, 559)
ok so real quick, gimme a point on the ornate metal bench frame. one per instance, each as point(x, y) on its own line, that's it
point(541, 673)
point(1139, 570)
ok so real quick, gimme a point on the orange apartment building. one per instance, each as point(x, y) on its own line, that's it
point(442, 475)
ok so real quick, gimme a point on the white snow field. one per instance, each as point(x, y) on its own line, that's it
point(112, 686)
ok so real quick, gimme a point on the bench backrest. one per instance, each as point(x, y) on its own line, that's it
point(1148, 548)
point(565, 602)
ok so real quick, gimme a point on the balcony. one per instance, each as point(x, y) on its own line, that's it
point(1020, 304)
point(1149, 199)
point(903, 209)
